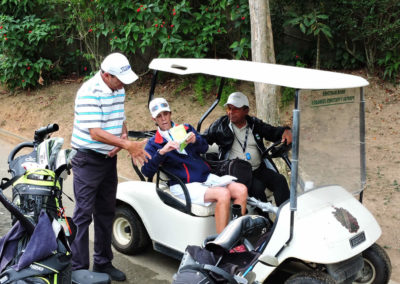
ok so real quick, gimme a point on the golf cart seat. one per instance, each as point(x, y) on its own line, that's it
point(184, 205)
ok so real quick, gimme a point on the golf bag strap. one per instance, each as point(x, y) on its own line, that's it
point(12, 208)
point(5, 182)
point(213, 269)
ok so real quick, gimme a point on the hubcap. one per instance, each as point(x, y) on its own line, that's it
point(368, 273)
point(122, 231)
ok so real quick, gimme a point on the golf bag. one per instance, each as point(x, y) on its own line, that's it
point(219, 261)
point(36, 249)
point(238, 168)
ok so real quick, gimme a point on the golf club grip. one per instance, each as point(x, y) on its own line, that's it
point(41, 133)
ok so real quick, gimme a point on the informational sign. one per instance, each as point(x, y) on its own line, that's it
point(332, 97)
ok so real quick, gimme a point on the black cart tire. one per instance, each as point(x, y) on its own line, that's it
point(310, 277)
point(129, 235)
point(377, 267)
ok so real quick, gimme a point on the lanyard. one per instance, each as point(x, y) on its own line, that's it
point(244, 145)
point(169, 133)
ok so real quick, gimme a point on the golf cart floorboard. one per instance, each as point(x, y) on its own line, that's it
point(167, 251)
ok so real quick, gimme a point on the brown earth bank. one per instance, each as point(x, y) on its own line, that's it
point(24, 111)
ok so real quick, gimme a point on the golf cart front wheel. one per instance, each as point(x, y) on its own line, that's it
point(377, 267)
point(310, 277)
point(129, 235)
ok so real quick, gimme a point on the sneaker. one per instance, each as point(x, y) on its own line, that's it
point(108, 268)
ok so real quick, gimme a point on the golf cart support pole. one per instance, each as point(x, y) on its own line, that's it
point(221, 86)
point(362, 143)
point(294, 169)
point(153, 86)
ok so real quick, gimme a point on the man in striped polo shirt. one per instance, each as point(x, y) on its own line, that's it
point(99, 133)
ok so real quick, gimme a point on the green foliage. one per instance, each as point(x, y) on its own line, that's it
point(199, 89)
point(84, 25)
point(368, 28)
point(312, 24)
point(75, 35)
point(80, 33)
point(229, 88)
point(173, 28)
point(240, 18)
point(204, 86)
point(391, 65)
point(182, 86)
point(288, 95)
point(23, 46)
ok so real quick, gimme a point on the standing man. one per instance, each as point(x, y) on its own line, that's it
point(99, 133)
point(239, 135)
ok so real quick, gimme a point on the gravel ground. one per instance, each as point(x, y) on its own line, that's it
point(5, 221)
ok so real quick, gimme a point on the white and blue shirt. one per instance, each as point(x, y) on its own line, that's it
point(97, 106)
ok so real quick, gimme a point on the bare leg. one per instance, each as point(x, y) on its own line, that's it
point(222, 197)
point(238, 192)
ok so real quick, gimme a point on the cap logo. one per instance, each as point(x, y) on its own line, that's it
point(125, 68)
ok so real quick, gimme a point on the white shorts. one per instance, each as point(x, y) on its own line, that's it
point(197, 190)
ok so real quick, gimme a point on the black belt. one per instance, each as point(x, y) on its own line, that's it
point(93, 153)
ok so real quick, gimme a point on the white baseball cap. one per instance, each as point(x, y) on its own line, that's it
point(237, 99)
point(158, 105)
point(118, 65)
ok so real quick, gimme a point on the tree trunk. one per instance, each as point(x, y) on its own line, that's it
point(262, 49)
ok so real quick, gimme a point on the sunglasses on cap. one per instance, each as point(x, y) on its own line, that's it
point(156, 107)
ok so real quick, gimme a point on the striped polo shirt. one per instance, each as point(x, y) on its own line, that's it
point(97, 106)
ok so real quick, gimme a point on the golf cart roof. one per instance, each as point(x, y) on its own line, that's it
point(274, 74)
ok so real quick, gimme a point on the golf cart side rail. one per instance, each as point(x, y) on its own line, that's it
point(166, 198)
point(274, 74)
point(181, 206)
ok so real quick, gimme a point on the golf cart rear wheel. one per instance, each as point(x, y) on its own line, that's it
point(310, 277)
point(377, 267)
point(129, 235)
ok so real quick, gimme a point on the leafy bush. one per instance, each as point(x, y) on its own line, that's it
point(199, 89)
point(229, 88)
point(159, 28)
point(146, 29)
point(73, 36)
point(391, 65)
point(367, 27)
point(22, 42)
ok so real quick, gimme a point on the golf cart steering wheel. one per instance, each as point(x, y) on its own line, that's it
point(278, 149)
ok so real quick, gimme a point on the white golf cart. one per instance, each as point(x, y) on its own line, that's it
point(323, 226)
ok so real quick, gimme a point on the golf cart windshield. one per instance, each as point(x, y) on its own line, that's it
point(331, 139)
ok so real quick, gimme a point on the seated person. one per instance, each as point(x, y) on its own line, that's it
point(189, 166)
point(239, 135)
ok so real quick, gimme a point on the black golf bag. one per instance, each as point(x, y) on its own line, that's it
point(36, 249)
point(228, 257)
